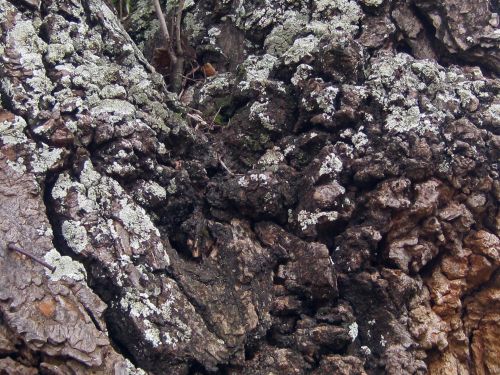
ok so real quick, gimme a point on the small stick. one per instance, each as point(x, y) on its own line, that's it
point(215, 117)
point(225, 167)
point(178, 21)
point(164, 30)
point(13, 247)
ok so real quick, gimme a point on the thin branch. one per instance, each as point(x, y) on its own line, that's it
point(215, 116)
point(178, 21)
point(13, 247)
point(225, 166)
point(164, 30)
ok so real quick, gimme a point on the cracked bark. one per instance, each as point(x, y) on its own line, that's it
point(357, 232)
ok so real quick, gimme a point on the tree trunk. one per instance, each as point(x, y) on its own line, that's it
point(325, 203)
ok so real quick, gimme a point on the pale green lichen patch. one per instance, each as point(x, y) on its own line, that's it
point(256, 69)
point(325, 99)
point(116, 106)
point(302, 74)
point(403, 120)
point(65, 267)
point(132, 370)
point(46, 158)
point(307, 219)
point(140, 307)
point(336, 17)
point(113, 91)
point(12, 132)
point(57, 52)
point(259, 111)
point(43, 158)
point(153, 189)
point(75, 235)
point(398, 81)
point(172, 186)
point(359, 139)
point(132, 217)
point(372, 3)
point(272, 157)
point(220, 83)
point(108, 212)
point(331, 164)
point(22, 39)
point(282, 36)
point(302, 47)
point(17, 165)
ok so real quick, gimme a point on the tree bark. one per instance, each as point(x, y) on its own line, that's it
point(325, 203)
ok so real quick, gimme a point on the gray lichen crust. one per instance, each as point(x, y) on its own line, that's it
point(321, 198)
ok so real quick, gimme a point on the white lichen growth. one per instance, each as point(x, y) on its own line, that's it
point(330, 165)
point(256, 69)
point(301, 48)
point(120, 107)
point(243, 181)
point(65, 267)
point(325, 99)
point(45, 158)
point(302, 74)
point(75, 235)
point(353, 331)
point(259, 112)
point(281, 37)
point(140, 307)
point(112, 214)
point(260, 178)
point(359, 139)
point(12, 132)
point(172, 186)
point(218, 84)
point(383, 341)
point(271, 157)
point(307, 219)
point(23, 38)
point(366, 350)
point(404, 120)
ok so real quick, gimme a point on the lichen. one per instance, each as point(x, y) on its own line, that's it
point(281, 38)
point(353, 331)
point(302, 73)
point(271, 157)
point(117, 106)
point(330, 165)
point(301, 48)
point(256, 69)
point(65, 267)
point(172, 186)
point(307, 219)
point(259, 112)
point(75, 235)
point(45, 158)
point(325, 99)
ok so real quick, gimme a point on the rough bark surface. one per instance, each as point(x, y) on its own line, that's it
point(325, 201)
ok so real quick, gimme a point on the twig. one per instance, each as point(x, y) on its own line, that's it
point(178, 21)
point(164, 30)
point(189, 79)
point(13, 247)
point(225, 166)
point(215, 116)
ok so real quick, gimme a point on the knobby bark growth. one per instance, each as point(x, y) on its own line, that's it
point(337, 215)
